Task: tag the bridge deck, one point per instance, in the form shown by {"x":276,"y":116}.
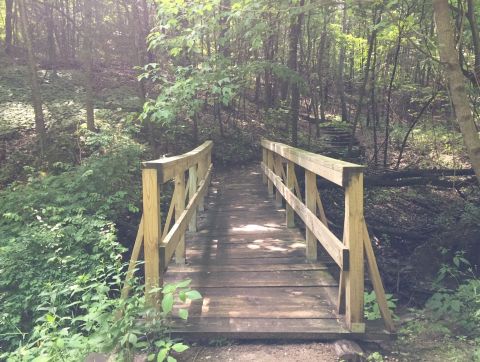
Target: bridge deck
{"x":252,"y":271}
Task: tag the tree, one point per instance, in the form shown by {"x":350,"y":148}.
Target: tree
{"x":88,"y":62}
{"x":456,"y":82}
{"x":32,"y":67}
{"x":8,"y":25}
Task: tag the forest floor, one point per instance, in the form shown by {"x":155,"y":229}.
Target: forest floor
{"x":406,"y":221}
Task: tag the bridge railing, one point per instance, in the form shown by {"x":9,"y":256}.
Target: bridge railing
{"x":161,"y":242}
{"x":278,"y":164}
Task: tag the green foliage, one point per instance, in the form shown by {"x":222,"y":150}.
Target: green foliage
{"x":83,"y":317}
{"x":371,"y":309}
{"x":56,"y":228}
{"x":457,"y":307}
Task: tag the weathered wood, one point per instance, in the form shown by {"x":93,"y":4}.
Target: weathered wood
{"x":151,"y":232}
{"x":311,"y":204}
{"x":279,"y":171}
{"x":353,"y":237}
{"x":202,"y":169}
{"x":180,"y":252}
{"x":168,"y":220}
{"x":171,"y":241}
{"x":290,"y":183}
{"x":377,"y":281}
{"x":289,"y":278}
{"x":349,"y":351}
{"x":168,"y":167}
{"x":336,"y":171}
{"x":335,"y":248}
{"x":192,"y":188}
{"x":264,"y":160}
{"x":137,"y":247}
{"x":263,"y":328}
{"x":320,"y":209}
{"x":270,"y":167}
{"x":211,"y":268}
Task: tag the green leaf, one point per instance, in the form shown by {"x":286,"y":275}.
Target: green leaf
{"x":180,"y":347}
{"x":167,"y":303}
{"x":162,"y":354}
{"x":132,"y":338}
{"x":183,"y":313}
{"x":171,"y":359}
{"x":193,"y":295}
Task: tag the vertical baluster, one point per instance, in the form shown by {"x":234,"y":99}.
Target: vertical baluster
{"x":192,"y":189}
{"x":278,"y":170}
{"x":151,"y":213}
{"x":290,"y":182}
{"x":311,"y":203}
{"x":202,"y":171}
{"x":179,"y":208}
{"x":270,"y":167}
{"x":264,"y":161}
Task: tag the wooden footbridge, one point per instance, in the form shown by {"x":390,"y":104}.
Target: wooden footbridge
{"x":259,"y":276}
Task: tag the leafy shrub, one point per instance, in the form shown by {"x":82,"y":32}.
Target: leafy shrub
{"x":458,"y":307}
{"x":371,"y":308}
{"x":57,"y":228}
{"x":82,"y":318}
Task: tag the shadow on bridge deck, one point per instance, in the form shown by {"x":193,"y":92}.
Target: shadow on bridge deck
{"x":251,"y":270}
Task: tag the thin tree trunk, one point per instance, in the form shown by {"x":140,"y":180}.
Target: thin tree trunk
{"x":475,"y":39}
{"x":8,"y":25}
{"x":341,"y":71}
{"x":295,"y":33}
{"x":87,"y":63}
{"x":456,"y":83}
{"x":32,"y":67}
{"x":389,"y":99}
{"x":373,"y":36}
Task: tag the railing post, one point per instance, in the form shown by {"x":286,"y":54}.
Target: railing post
{"x":290,"y":182}
{"x":264,"y":160}
{"x":179,"y":208}
{"x":311,"y":203}
{"x":192,"y":188}
{"x":270,"y":166}
{"x":353,"y":238}
{"x":151,"y":232}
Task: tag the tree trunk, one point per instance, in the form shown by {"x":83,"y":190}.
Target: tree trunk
{"x":456,"y":83}
{"x":475,"y":39}
{"x":341,"y":66}
{"x":32,"y":67}
{"x":389,"y":99}
{"x":295,"y":33}
{"x":8,"y":25}
{"x":88,"y":63}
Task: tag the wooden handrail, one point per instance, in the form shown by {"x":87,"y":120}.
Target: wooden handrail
{"x":349,"y":254}
{"x":331,"y":169}
{"x":168,"y":167}
{"x":160,"y":246}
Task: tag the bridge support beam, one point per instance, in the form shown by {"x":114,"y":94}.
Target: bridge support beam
{"x":290,"y":182}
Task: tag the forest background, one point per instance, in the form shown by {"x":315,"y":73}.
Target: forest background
{"x":90,"y":88}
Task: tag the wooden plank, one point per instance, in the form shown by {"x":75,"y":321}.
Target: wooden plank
{"x":334,"y":170}
{"x":278,"y":167}
{"x":377,"y":281}
{"x":180,"y":186}
{"x":168,"y":167}
{"x":264,"y":160}
{"x":169,"y":218}
{"x":264,"y":328}
{"x":199,"y":259}
{"x":137,"y":247}
{"x":335,"y":248}
{"x":192,"y":188}
{"x":269,"y":165}
{"x":169,"y":244}
{"x":290,"y":183}
{"x":151,"y":232}
{"x":202,"y":169}
{"x":245,"y":267}
{"x":311,"y":204}
{"x":301,"y":278}
{"x":353,"y":235}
